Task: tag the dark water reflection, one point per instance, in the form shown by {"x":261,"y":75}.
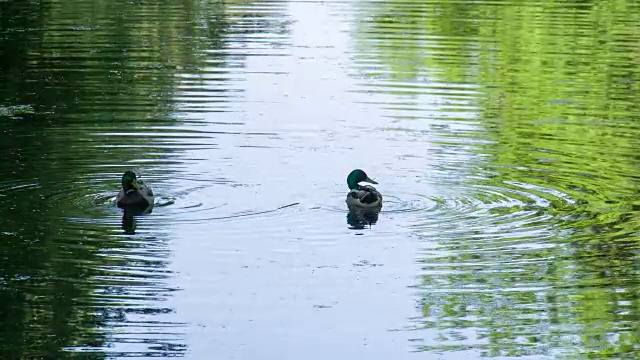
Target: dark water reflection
{"x":502,"y":135}
{"x":89,"y":89}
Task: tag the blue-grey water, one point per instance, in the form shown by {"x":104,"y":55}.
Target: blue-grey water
{"x":501,"y":134}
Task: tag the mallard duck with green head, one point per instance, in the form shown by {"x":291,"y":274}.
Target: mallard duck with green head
{"x":362,"y":197}
{"x":134,"y":193}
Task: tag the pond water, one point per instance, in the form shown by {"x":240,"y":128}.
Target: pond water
{"x":501,"y":134}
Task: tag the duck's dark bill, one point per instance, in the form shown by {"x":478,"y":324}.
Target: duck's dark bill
{"x":371,"y":181}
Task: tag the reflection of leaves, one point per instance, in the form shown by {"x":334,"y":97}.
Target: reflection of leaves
{"x":556,"y":94}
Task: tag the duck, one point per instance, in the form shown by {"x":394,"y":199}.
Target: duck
{"x":362,"y":197}
{"x":134,"y":193}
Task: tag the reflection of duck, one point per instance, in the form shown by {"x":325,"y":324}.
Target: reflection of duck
{"x":362,"y":197}
{"x":359,"y":218}
{"x":134,"y":194}
{"x":129,"y":218}
{"x":128,"y":223}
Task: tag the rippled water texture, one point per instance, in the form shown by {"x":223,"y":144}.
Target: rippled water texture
{"x":502,"y":135}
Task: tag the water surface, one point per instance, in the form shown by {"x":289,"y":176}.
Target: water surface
{"x":501,"y":133}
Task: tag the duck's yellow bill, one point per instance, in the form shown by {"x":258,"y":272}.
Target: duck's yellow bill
{"x":135,"y":184}
{"x":369,"y":180}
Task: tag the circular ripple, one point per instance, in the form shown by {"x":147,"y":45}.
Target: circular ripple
{"x":499,"y":211}
{"x":396,"y":203}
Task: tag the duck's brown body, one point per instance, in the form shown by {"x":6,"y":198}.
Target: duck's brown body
{"x":135,"y":198}
{"x":364,"y":197}
{"x":134,"y":193}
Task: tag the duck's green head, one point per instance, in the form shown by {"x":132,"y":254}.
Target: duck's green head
{"x":129,"y":181}
{"x":357,"y":176}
